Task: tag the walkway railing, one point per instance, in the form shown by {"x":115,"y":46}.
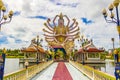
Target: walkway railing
{"x":92,"y":73}
{"x":26,"y":74}
{"x":28,"y":59}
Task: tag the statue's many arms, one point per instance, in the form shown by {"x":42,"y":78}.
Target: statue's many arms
{"x":61,"y":34}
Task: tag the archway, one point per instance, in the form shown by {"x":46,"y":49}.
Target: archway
{"x":60,"y":54}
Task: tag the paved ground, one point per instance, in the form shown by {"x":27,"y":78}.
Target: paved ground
{"x":49,"y":73}
{"x":75,"y":73}
{"x":62,"y":72}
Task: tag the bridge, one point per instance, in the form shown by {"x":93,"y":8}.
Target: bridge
{"x":51,"y":70}
{"x":63,"y":63}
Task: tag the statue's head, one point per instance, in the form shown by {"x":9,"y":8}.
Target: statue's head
{"x":60,"y":20}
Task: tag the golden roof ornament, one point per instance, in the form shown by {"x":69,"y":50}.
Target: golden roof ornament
{"x":4,"y":50}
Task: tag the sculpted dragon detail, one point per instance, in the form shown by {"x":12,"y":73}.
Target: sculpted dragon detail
{"x":61,"y":33}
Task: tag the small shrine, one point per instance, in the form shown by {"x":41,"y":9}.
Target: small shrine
{"x":89,"y":53}
{"x":31,"y":52}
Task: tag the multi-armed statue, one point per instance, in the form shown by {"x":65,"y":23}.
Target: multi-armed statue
{"x":61,"y":34}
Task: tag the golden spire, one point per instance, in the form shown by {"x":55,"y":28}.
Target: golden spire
{"x":61,"y":16}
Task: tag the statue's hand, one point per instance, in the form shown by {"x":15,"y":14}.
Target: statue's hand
{"x":48,"y":19}
{"x":56,"y":16}
{"x":43,"y":29}
{"x":45,"y":24}
{"x":74,"y":19}
{"x":76,"y":23}
{"x":65,"y":16}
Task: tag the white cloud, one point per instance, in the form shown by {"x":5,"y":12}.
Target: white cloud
{"x":11,"y":40}
{"x":25,"y":29}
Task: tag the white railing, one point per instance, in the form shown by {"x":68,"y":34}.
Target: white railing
{"x":92,"y":73}
{"x":26,"y":74}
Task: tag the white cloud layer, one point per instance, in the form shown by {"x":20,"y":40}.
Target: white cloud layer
{"x":24,"y":28}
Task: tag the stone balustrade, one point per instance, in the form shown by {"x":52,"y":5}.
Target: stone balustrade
{"x":92,"y":73}
{"x":27,"y":74}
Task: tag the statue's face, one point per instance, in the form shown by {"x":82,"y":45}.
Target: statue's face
{"x":60,"y":22}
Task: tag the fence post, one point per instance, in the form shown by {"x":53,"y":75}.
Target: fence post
{"x":93,"y":75}
{"x":27,"y":74}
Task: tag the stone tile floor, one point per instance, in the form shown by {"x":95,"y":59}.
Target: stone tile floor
{"x":48,"y":73}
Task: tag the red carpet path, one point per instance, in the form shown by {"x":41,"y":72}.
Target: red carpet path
{"x":62,"y":72}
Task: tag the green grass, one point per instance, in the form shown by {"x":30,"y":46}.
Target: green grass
{"x":14,"y":56}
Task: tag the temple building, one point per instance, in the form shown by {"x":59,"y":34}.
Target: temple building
{"x":89,"y":54}
{"x":33,"y":51}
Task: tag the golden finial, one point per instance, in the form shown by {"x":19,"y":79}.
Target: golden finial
{"x":5,"y":17}
{"x":4,"y":50}
{"x":3,"y":8}
{"x":61,"y":16}
{"x":1,"y":4}
{"x":116,"y":51}
{"x":11,"y":13}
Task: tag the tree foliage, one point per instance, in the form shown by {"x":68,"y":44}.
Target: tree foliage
{"x":10,"y":52}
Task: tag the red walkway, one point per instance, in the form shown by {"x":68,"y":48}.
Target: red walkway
{"x":62,"y":72}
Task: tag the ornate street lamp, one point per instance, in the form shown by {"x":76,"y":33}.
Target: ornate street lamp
{"x":115,"y":20}
{"x":4,"y":18}
{"x":38,"y":43}
{"x":83,"y":42}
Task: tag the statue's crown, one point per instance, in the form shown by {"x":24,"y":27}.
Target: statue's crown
{"x":61,"y":16}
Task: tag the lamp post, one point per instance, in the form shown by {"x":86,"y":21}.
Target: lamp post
{"x":37,"y":48}
{"x":4,"y":18}
{"x":82,"y":41}
{"x":2,"y":64}
{"x":26,"y":66}
{"x":38,"y":43}
{"x":112,"y":39}
{"x":117,"y":64}
{"x":113,"y":19}
{"x":26,"y":63}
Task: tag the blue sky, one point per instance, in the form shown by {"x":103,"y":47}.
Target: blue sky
{"x":3,"y":40}
{"x":30,"y":15}
{"x":16,"y":13}
{"x":86,"y":21}
{"x":39,"y":17}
